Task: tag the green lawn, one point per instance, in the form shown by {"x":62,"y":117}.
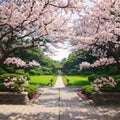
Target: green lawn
{"x":42,"y":80}
{"x":76,"y":80}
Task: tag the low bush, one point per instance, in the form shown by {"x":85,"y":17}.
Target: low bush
{"x":88,"y":90}
{"x":20,"y":71}
{"x":9,"y":69}
{"x":117,"y":77}
{"x":34,"y":72}
{"x":102,"y":75}
{"x":3,"y":76}
{"x":92,"y":77}
{"x":31,"y":89}
{"x":3,"y":88}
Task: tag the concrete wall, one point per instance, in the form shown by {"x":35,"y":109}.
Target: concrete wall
{"x":106,"y":98}
{"x":14,"y":98}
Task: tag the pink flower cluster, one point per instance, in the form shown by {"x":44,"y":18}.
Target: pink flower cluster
{"x":103,"y":83}
{"x":84,"y":65}
{"x":20,"y":63}
{"x":16,"y":83}
{"x":97,"y":63}
{"x":33,"y":63}
{"x":15,"y":61}
{"x":103,"y":61}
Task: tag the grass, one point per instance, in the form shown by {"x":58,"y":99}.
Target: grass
{"x":42,"y":80}
{"x":76,"y":80}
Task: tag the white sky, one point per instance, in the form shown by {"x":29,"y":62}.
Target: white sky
{"x":60,"y":54}
{"x":61,"y":51}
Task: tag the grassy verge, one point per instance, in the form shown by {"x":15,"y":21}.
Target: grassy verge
{"x":42,"y":80}
{"x":76,"y":80}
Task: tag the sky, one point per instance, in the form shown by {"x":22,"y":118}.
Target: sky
{"x":61,"y":51}
{"x":60,"y":54}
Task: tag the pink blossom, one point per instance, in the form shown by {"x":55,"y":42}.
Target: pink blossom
{"x":84,"y":65}
{"x":15,"y":61}
{"x":33,"y":63}
{"x":103,"y":83}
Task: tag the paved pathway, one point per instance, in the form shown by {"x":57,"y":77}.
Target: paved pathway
{"x":50,"y":107}
{"x":59,"y":83}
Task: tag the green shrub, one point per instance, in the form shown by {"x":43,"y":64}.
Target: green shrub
{"x":117,"y":77}
{"x":34,"y":72}
{"x":88,"y":90}
{"x":92,"y":77}
{"x":20,"y":71}
{"x":10,"y":69}
{"x":103,"y":75}
{"x":117,"y":87}
{"x":2,"y":71}
{"x":3,"y":76}
{"x":31,"y":90}
{"x":5,"y":89}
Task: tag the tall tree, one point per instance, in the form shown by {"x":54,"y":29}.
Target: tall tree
{"x":98,"y":29}
{"x":28,"y":23}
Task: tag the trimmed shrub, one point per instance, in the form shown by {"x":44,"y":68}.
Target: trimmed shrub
{"x":5,"y":89}
{"x":31,"y":90}
{"x":3,"y":76}
{"x":88,"y":90}
{"x":20,"y":71}
{"x":92,"y":77}
{"x":103,"y":75}
{"x":117,"y":77}
{"x":34,"y":72}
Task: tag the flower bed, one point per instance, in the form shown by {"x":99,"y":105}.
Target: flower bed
{"x":36,"y":95}
{"x":82,"y":95}
{"x":102,"y":98}
{"x":14,"y":98}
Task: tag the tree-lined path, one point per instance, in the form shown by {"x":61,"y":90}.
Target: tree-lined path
{"x":58,"y":103}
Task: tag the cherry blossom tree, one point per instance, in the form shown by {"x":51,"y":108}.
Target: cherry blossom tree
{"x":28,"y":23}
{"x":98,"y":29}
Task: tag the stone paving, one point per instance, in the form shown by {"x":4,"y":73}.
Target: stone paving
{"x":49,"y":107}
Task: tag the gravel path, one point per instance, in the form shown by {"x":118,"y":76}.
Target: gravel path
{"x":59,"y":103}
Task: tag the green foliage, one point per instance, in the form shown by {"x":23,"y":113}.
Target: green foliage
{"x":5,"y":89}
{"x":92,"y":77}
{"x":20,"y":71}
{"x":117,"y":87}
{"x":2,"y":71}
{"x":47,"y":65}
{"x":102,"y":75}
{"x":31,"y":89}
{"x":34,"y":72}
{"x":9,"y":69}
{"x":71,"y":65}
{"x":88,"y":90}
{"x":117,"y":77}
{"x":3,"y":76}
